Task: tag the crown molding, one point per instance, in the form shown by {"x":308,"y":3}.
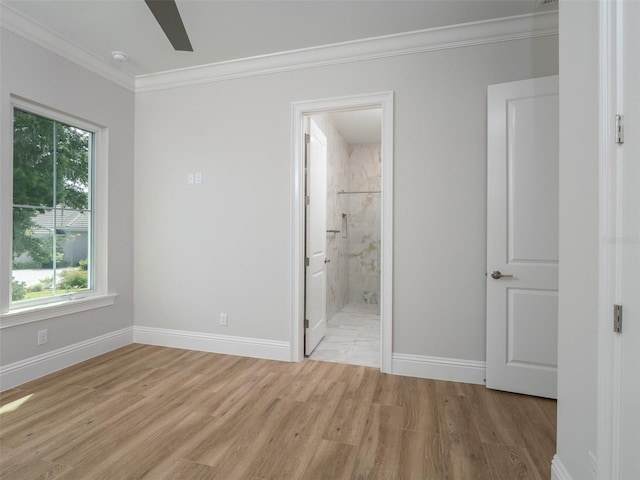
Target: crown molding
{"x":16,"y":22}
{"x":454,"y":36}
{"x":440,"y":38}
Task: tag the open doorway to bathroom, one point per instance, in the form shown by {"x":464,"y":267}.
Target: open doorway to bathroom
{"x":352,"y":241}
{"x":371,"y":293}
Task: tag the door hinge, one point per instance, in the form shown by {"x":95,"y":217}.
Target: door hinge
{"x":619,"y":129}
{"x":306,"y":323}
{"x":307,"y":199}
{"x":306,"y":261}
{"x":617,"y":318}
{"x":307,"y":138}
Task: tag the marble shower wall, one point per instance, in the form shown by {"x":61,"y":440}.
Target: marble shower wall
{"x":353,"y":275}
{"x":363,"y":211}
{"x":337,"y":247}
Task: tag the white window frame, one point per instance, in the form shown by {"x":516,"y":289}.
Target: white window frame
{"x":98,"y":296}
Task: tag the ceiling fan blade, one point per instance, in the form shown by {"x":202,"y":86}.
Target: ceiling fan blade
{"x":167,"y":15}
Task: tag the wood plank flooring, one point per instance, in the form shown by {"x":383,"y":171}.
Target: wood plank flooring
{"x":145,"y":412}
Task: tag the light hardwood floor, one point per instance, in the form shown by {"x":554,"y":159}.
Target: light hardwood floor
{"x":161,"y":413}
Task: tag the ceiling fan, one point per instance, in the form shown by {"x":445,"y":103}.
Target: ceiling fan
{"x":168,"y":16}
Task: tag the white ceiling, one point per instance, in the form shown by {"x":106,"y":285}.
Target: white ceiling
{"x":232,"y":29}
{"x":359,"y":126}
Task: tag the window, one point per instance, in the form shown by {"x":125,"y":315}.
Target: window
{"x":53,"y":216}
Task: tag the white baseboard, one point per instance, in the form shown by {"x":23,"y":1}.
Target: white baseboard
{"x":558,"y":471}
{"x":438,"y":368}
{"x":24,"y":371}
{"x":12,"y":375}
{"x":207,"y":342}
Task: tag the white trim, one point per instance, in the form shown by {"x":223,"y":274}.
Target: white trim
{"x":609,"y":349}
{"x":35,"y":32}
{"x":51,"y":113}
{"x":439,"y":368}
{"x":64,"y":307}
{"x":386,"y":264}
{"x":208,"y":342}
{"x":558,"y":470}
{"x":383,"y":100}
{"x":439,"y":38}
{"x":454,"y":36}
{"x":29,"y":369}
{"x":98,"y":297}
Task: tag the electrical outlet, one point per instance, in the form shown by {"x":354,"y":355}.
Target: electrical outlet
{"x":43,"y":337}
{"x":223,"y":319}
{"x":198,"y":178}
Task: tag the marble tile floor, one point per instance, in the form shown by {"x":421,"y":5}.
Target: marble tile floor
{"x":353,"y":337}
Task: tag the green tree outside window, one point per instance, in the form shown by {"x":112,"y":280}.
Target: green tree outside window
{"x":51,"y":184}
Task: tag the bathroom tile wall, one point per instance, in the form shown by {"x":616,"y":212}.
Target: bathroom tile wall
{"x":363,"y":210}
{"x":353,"y":274}
{"x":337,"y":246}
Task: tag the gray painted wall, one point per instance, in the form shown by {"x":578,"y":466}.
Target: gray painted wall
{"x":40,"y":76}
{"x":228,"y":248}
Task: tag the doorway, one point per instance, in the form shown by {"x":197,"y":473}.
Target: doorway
{"x":366,"y":298}
{"x":349,"y":224}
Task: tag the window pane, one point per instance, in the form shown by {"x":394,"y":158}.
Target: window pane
{"x":33,"y":258}
{"x":72,"y":167}
{"x":31,"y":284}
{"x":33,"y":238}
{"x":32,"y":160}
{"x":72,"y":242}
{"x":52,"y":234}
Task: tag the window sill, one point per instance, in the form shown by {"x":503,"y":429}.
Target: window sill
{"x":52,"y":310}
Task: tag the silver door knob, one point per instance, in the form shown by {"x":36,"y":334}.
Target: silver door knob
{"x":497,"y":275}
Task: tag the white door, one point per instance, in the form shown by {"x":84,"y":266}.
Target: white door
{"x":629,"y":163}
{"x":522,"y":237}
{"x":316,"y":238}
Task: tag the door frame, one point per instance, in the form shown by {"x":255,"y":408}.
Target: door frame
{"x":299,"y":110}
{"x":609,"y":378}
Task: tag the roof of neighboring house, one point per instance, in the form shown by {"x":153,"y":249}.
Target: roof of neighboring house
{"x":65,"y":219}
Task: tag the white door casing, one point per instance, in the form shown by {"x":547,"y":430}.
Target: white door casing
{"x":316,"y":238}
{"x":628,"y":243}
{"x":522,"y":237}
{"x":299,"y":110}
